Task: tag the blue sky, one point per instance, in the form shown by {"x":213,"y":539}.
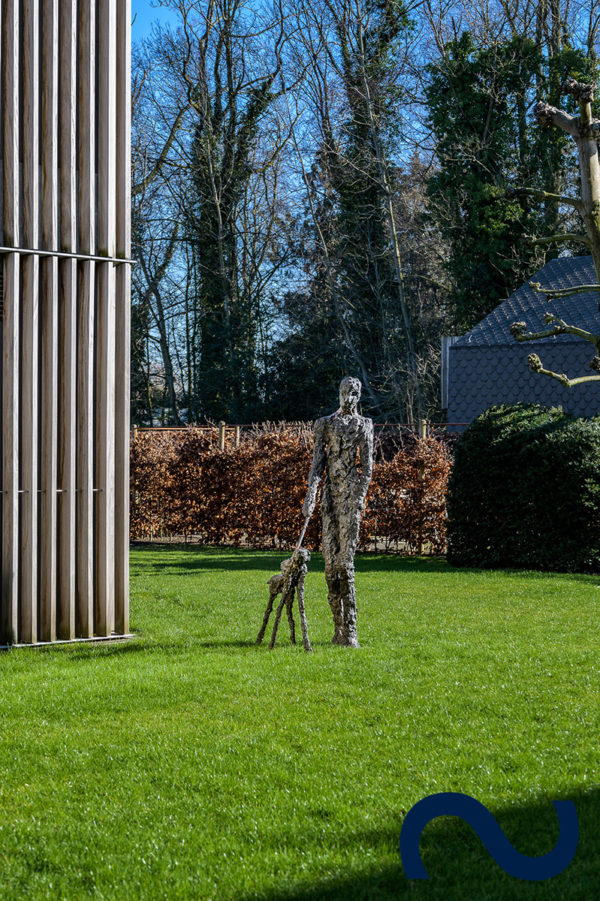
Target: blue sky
{"x":144,"y":14}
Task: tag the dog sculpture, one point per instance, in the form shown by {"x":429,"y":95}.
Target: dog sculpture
{"x":289,"y":582}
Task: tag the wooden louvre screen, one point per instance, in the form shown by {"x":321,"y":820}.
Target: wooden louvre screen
{"x":65,"y":121}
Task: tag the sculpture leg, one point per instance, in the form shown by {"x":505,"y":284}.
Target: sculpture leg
{"x":348,"y":589}
{"x":276,"y":623}
{"x":288,"y":606}
{"x":334,"y":596}
{"x":275,"y":584}
{"x":349,"y":540}
{"x":302,"y":612}
{"x":331,"y":549}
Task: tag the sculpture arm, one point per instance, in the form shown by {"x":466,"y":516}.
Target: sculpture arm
{"x":365,"y":448}
{"x":316,"y":470}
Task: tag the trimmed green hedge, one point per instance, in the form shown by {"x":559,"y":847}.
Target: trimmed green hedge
{"x":525,"y":491}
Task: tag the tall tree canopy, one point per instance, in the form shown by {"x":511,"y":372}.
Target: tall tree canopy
{"x":318,"y":187}
{"x":480,"y":102}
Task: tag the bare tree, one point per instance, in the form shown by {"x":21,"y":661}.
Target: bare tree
{"x":208,"y":195}
{"x":353,"y":58}
{"x":157,"y":117}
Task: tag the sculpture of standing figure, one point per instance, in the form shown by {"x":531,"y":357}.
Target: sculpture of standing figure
{"x":338,"y":439}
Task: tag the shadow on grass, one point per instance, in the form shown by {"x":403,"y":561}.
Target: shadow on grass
{"x":194,"y":558}
{"x":249,"y":643}
{"x":149,"y":645}
{"x":183,"y":647}
{"x":458,"y":864}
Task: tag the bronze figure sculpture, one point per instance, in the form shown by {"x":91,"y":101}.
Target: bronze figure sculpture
{"x":339,"y":439}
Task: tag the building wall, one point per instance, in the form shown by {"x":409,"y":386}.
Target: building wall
{"x":65,"y":121}
{"x":482,"y":377}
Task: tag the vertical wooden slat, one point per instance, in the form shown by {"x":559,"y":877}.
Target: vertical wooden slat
{"x":105,"y":436}
{"x":105,"y":339}
{"x":84,"y":588}
{"x":28,"y":561}
{"x":10,"y":348}
{"x":85,"y":320}
{"x":49,"y":316}
{"x":123,"y":317}
{"x":68,"y":319}
{"x":2,"y":26}
{"x":53,"y":312}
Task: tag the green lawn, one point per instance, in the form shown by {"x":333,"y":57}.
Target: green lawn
{"x":189,"y":763}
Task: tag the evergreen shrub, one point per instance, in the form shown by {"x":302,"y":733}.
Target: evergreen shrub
{"x":525,"y":491}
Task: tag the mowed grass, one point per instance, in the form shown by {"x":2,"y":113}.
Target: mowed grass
{"x":189,"y":763}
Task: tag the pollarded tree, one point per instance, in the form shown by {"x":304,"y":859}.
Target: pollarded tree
{"x":585,"y":131}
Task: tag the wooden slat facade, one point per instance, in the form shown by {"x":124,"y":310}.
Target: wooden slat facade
{"x":65,"y":122}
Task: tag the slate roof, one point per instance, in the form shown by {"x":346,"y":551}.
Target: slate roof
{"x":488,"y":367}
{"x":527,"y":306}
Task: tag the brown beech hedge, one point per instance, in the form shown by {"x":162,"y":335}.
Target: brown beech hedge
{"x":183,"y":485}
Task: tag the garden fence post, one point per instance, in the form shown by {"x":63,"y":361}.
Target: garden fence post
{"x":221,"y":435}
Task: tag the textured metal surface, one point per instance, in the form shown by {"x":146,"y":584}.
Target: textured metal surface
{"x":289,"y":583}
{"x":339,"y":440}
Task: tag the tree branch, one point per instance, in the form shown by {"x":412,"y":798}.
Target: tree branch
{"x":583,"y":93}
{"x":545,"y":195}
{"x":559,"y":327}
{"x":535,"y":364}
{"x":550,"y":115}
{"x":552,"y":239}
{"x":552,"y":293}
{"x":143,"y":184}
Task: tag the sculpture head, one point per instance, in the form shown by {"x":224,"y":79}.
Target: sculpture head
{"x":349,"y":394}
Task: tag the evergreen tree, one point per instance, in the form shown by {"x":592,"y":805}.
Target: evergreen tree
{"x":486,"y":145}
{"x":304,"y":368}
{"x":363,"y":178}
{"x":356,"y":296}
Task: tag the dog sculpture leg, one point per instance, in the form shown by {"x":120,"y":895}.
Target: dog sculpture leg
{"x":282,"y":602}
{"x":275,"y":584}
{"x":290,"y":615}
